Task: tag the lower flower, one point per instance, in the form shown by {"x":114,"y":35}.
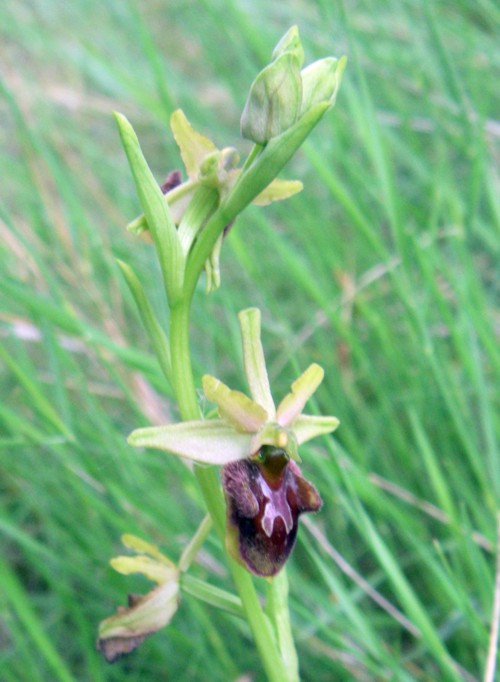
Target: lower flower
{"x":257,"y":445}
{"x":146,"y":614}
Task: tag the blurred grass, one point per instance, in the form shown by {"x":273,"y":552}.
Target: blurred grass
{"x":384,"y":270}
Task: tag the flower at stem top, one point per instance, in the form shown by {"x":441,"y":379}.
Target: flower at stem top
{"x":257,"y":445}
{"x":211,"y":174}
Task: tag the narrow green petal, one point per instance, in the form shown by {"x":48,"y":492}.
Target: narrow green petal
{"x":151,"y":568}
{"x":244,"y":414}
{"x":278,"y":190}
{"x":194,"y":146}
{"x":255,"y":364}
{"x":308,"y":426}
{"x":143,"y":547}
{"x":302,"y":389}
{"x":210,"y":442}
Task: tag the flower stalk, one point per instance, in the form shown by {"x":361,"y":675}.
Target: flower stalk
{"x":256,"y":500}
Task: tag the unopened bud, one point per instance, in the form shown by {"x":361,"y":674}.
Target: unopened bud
{"x":274,"y":100}
{"x":320,"y":82}
{"x":290,"y":43}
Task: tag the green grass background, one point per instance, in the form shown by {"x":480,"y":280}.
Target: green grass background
{"x":384,"y":270}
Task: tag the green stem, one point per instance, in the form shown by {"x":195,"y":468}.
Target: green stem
{"x":184,"y":387}
{"x":194,"y":545}
{"x":277,"y":607}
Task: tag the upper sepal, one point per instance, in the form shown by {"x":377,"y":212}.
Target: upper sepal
{"x":274,"y":100}
{"x":193,"y":146}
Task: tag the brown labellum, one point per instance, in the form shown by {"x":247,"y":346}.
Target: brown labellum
{"x":265,"y":497}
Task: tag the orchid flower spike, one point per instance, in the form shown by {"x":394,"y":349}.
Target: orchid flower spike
{"x":257,"y":445}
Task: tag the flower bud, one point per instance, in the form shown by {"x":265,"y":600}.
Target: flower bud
{"x":290,"y":43}
{"x":274,"y":100}
{"x":320,"y":82}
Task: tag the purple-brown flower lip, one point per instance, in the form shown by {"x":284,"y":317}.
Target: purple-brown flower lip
{"x":265,"y":497}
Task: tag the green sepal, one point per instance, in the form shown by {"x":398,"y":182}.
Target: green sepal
{"x":290,"y":43}
{"x":211,"y":441}
{"x":153,"y":328}
{"x":274,"y":100}
{"x":254,"y":360}
{"x":308,"y":426}
{"x":194,"y":147}
{"x":321,"y":82}
{"x":156,"y":211}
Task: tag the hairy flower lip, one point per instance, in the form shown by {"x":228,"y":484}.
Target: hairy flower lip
{"x":262,"y":519}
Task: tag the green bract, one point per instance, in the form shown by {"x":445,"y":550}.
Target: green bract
{"x":273,"y":104}
{"x":245,"y":424}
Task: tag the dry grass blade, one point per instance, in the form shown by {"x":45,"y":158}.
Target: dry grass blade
{"x":489,"y":674}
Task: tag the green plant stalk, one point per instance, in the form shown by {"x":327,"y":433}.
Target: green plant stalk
{"x":277,"y":608}
{"x":275,"y":666}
